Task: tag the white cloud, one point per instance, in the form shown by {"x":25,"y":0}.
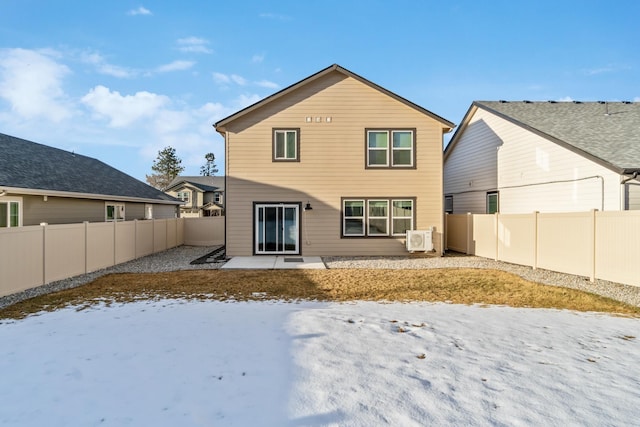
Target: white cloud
{"x":267,"y":84}
{"x":225,"y":79}
{"x":123,"y":110}
{"x":175,"y":66}
{"x":221,"y":78}
{"x":103,"y":67}
{"x":611,"y":68}
{"x":193,"y":45}
{"x":275,"y":16}
{"x":239,"y":80}
{"x":139,"y":11}
{"x":31,"y":82}
{"x":565,"y":99}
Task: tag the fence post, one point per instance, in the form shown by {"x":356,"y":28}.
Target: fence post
{"x":44,"y":252}
{"x":86,"y":247}
{"x":496,"y":230}
{"x":446,"y":231}
{"x":592,"y":270}
{"x":469,"y":233}
{"x":535,"y":239}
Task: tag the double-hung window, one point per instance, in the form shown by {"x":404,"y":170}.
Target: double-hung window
{"x":377,"y":217}
{"x":183,"y":195}
{"x":9,"y":213}
{"x":286,"y":145}
{"x":390,"y":148}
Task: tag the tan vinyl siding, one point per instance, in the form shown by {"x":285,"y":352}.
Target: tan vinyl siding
{"x":332,"y":165}
{"x":470,"y":170}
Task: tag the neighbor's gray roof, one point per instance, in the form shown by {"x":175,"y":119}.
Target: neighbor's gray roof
{"x":32,"y":166}
{"x":605,"y":131}
{"x":204,"y":183}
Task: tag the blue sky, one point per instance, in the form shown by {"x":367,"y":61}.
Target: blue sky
{"x":120,"y":80}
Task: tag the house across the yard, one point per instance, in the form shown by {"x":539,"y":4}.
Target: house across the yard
{"x":332,"y":165}
{"x":521,"y":157}
{"x":202,"y":195}
{"x":41,"y":184}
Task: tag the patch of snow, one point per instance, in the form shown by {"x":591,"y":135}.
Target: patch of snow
{"x":193,"y":363}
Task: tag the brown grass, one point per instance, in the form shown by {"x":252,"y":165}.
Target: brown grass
{"x":460,"y":286}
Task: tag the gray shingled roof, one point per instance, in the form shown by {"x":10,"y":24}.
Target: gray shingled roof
{"x":29,"y":165}
{"x":609,"y":132}
{"x":204,"y":183}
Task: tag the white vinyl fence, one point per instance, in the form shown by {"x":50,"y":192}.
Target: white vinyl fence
{"x":597,"y":245}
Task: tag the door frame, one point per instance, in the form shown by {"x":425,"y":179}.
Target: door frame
{"x":298,"y":206}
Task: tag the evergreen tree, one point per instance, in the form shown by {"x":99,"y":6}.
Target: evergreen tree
{"x":166,"y":167}
{"x":209,"y":168}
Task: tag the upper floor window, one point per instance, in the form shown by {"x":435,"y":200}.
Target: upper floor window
{"x":286,"y":145}
{"x":114,"y":212}
{"x":217,"y":197}
{"x":390,"y":148}
{"x":9,"y":213}
{"x":184,"y":195}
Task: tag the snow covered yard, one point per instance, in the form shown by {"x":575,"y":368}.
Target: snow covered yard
{"x":211,"y":363}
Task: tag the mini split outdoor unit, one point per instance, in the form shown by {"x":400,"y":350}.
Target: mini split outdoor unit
{"x":419,"y":240}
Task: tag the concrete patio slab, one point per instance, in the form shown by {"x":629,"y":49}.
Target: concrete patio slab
{"x":274,"y":262}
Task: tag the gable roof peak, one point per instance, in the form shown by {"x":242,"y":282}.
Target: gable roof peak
{"x":220,"y":125}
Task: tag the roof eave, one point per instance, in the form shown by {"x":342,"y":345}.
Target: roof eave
{"x":220,"y":125}
{"x":564,"y":144}
{"x":70,"y":194}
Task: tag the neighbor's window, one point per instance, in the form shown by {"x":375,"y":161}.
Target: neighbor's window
{"x":390,"y":148}
{"x":382,"y":217}
{"x":9,"y":213}
{"x":286,"y":145}
{"x":493,"y":202}
{"x":114,"y":212}
{"x":217,"y":197}
{"x":448,"y":204}
{"x":184,"y":195}
{"x":148,"y":211}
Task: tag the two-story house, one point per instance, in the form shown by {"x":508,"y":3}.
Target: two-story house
{"x":202,"y":195}
{"x":332,"y":165}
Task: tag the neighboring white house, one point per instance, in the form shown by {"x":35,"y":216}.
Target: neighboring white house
{"x":520,"y":157}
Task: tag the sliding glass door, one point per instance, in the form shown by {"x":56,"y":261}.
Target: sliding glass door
{"x":276,"y":229}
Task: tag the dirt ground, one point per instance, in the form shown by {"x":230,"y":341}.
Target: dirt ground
{"x":458,"y":286}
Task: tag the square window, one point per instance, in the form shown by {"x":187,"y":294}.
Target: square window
{"x":397,"y":153}
{"x":9,"y":213}
{"x":286,"y":144}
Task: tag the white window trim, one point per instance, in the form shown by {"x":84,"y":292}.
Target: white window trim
{"x":295,"y":144}
{"x":390,"y":149}
{"x":390,"y":217}
{"x":410,"y":149}
{"x":385,"y":149}
{"x":344,"y":218}
{"x":402,"y":217}
{"x":8,"y":200}
{"x":369,"y":217}
{"x":115,"y":205}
